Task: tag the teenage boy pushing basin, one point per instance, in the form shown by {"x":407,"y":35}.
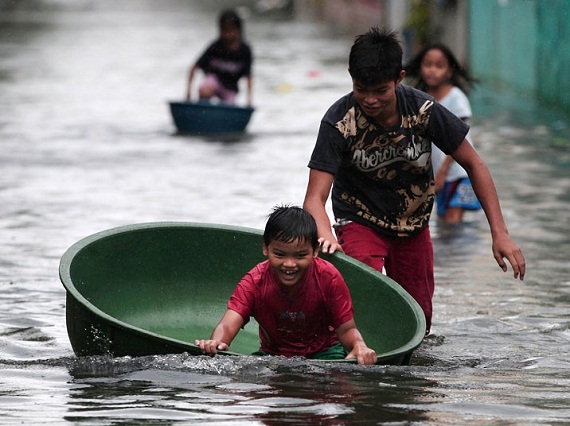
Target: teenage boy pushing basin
{"x":374,"y":150}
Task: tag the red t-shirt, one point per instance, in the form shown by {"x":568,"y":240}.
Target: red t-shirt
{"x":294,"y":325}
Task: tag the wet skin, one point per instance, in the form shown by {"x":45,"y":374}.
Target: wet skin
{"x":289,"y":261}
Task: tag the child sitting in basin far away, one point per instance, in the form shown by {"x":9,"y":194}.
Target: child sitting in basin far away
{"x":301,"y":302}
{"x":224,"y":62}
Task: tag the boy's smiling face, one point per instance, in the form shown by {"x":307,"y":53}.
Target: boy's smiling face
{"x":378,"y":101}
{"x":290,"y":261}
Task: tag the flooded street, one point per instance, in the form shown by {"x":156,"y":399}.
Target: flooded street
{"x":87,"y":144}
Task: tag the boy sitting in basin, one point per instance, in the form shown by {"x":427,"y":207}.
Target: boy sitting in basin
{"x":301,"y":302}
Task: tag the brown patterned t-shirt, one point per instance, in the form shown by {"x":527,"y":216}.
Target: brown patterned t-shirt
{"x":383,"y":176}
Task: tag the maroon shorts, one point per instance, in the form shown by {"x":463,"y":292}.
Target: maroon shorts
{"x":407,"y":260}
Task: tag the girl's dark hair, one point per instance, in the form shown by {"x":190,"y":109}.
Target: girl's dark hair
{"x":460,"y":76}
{"x":290,"y":223}
{"x":375,"y":57}
{"x":231,"y":17}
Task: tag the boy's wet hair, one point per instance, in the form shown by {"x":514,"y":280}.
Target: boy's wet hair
{"x":460,"y":76}
{"x":375,"y":57}
{"x":291,"y":223}
{"x":230,"y":17}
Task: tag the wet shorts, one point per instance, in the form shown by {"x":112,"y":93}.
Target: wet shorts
{"x":458,"y":194}
{"x":336,"y":351}
{"x":225,"y":95}
{"x":407,"y":260}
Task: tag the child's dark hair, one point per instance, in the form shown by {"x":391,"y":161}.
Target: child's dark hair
{"x":460,"y":76}
{"x":291,"y":223}
{"x":375,"y":57}
{"x":231,"y":17}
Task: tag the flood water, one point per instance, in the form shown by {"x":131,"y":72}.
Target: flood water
{"x":87,"y":144}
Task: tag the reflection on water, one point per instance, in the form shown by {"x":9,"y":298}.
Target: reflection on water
{"x":241,"y":388}
{"x":87,"y":145}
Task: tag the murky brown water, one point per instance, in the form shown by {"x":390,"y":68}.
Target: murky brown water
{"x":87,"y":144}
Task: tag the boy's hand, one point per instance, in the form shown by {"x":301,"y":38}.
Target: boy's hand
{"x":211,"y":347}
{"x":504,"y":246}
{"x":330,"y":246}
{"x":440,"y":180}
{"x":363,"y":354}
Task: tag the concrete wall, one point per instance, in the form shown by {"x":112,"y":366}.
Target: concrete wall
{"x":448,"y":19}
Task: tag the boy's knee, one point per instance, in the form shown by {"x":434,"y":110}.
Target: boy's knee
{"x":206,"y":91}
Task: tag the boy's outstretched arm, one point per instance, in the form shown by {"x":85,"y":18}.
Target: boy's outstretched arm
{"x":191,"y":73}
{"x":503,"y":245}
{"x":318,"y":190}
{"x":223,"y":334}
{"x":250,"y":90}
{"x":353,"y":342}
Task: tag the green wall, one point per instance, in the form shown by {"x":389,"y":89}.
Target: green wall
{"x":523,"y":43}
